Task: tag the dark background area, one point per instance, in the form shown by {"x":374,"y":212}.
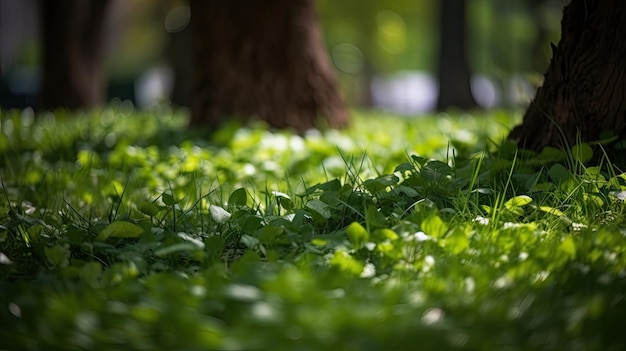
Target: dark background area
{"x":384,"y":52}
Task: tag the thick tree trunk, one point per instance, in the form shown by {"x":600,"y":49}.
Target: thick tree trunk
{"x":73,"y":44}
{"x":584,"y":91}
{"x":454,"y":72}
{"x":262,"y":59}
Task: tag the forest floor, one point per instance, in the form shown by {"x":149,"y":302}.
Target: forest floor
{"x":122,"y":229}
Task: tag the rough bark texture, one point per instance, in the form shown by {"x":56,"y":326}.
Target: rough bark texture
{"x":73,"y":45}
{"x":584,"y":91}
{"x":454,"y":72}
{"x":262,"y":59}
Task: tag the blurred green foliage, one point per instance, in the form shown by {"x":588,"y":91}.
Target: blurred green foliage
{"x":399,"y":35}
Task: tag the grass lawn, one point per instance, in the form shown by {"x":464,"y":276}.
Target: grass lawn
{"x":122,"y":230}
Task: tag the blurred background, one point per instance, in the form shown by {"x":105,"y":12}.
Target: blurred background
{"x":385,"y":52}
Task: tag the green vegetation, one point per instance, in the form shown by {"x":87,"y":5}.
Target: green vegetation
{"x":121,"y":229}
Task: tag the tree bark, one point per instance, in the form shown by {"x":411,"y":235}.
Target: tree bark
{"x":584,"y":90}
{"x":262,"y":59}
{"x":73,"y":45}
{"x":180,"y":57}
{"x":454,"y":72}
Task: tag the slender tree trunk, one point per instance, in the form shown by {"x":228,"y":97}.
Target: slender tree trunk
{"x":454,"y":72}
{"x":73,"y":45}
{"x":264,"y":59}
{"x":584,"y":90}
{"x":180,"y":57}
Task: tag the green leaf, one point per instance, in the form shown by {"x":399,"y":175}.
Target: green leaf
{"x":319,"y":208}
{"x":357,"y":234}
{"x":117,"y":188}
{"x":550,"y":154}
{"x":333,"y":185}
{"x":551,"y":210}
{"x":434,"y":226}
{"x":91,"y":272}
{"x":191,"y":239}
{"x":176,"y":248}
{"x":380,"y":183}
{"x":283,"y":200}
{"x":270,"y":233}
{"x":148,"y":208}
{"x":582,"y":152}
{"x":385,"y":234}
{"x":458,"y":240}
{"x":238,"y":197}
{"x":331,"y":198}
{"x":120,"y":229}
{"x":374,"y":218}
{"x":593,"y":199}
{"x":436,"y":171}
{"x":517,"y":211}
{"x":518,"y":201}
{"x":487,"y":209}
{"x":168,"y":199}
{"x":419,"y":159}
{"x":249,"y":241}
{"x":568,"y":247}
{"x":251,"y":224}
{"x":346,"y":263}
{"x":404,"y":167}
{"x":404,"y":191}
{"x":559,"y":174}
{"x":542,"y":187}
{"x":58,"y":255}
{"x":219,"y":214}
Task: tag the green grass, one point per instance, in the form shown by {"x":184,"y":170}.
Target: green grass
{"x":122,"y":230}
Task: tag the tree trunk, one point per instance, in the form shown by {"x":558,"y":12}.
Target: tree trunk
{"x":180,"y":57}
{"x":454,"y":72}
{"x":584,"y":90}
{"x":263,"y":59}
{"x":73,"y":45}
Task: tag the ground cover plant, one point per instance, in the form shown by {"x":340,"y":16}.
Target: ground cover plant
{"x":121,"y":229}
